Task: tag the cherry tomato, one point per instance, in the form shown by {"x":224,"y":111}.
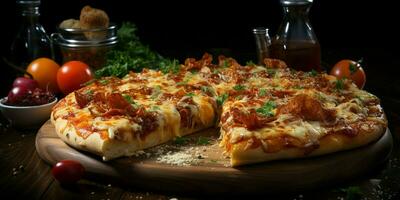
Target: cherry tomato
{"x":68,"y":171}
{"x":31,"y":84}
{"x":44,"y":71}
{"x":350,"y":69}
{"x":72,"y":75}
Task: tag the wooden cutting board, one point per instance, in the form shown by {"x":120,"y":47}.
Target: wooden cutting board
{"x":196,"y":164}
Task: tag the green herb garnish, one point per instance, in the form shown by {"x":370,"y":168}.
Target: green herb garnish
{"x":130,"y":54}
{"x":239,"y":87}
{"x":221,"y":99}
{"x":298,"y":87}
{"x":89,"y":92}
{"x":352,"y":192}
{"x":154,"y":108}
{"x":313,"y":73}
{"x":184,"y":82}
{"x":207,"y":89}
{"x":194,"y":71}
{"x":170,"y":67}
{"x":190,"y":94}
{"x":239,"y":97}
{"x":262,"y":92}
{"x":203,"y":141}
{"x":267,"y":109}
{"x":320,"y":97}
{"x":156,"y":92}
{"x":339,"y":85}
{"x":250,"y":63}
{"x":89,"y":82}
{"x":225,"y":63}
{"x":181,"y":140}
{"x":104,"y":81}
{"x":271,"y":71}
{"x":129,"y":99}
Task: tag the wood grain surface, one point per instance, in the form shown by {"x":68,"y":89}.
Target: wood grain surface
{"x":210,"y":173}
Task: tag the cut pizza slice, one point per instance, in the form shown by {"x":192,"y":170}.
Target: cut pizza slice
{"x":114,"y":117}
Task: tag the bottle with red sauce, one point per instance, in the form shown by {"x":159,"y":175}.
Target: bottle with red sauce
{"x":295,"y":41}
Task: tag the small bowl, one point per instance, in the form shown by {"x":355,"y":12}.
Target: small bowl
{"x":26,"y":117}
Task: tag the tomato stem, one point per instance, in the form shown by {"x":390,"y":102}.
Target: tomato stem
{"x":360,"y":61}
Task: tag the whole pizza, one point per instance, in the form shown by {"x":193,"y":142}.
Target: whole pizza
{"x":264,"y":112}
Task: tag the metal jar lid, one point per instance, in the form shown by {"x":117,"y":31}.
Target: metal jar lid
{"x":86,"y":38}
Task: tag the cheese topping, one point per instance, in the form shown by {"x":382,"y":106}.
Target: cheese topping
{"x":255,"y":105}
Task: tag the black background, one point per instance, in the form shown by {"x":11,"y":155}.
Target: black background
{"x":180,"y":25}
{"x":189,"y":28}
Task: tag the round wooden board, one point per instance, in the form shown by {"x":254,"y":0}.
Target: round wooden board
{"x":210,"y":173}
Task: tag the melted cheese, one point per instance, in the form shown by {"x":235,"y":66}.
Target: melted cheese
{"x":122,"y":127}
{"x":206,"y":111}
{"x":172,"y":118}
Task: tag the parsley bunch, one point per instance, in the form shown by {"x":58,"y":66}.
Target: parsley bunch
{"x":130,"y":54}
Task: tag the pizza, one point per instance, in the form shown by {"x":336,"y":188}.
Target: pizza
{"x":264,"y":113}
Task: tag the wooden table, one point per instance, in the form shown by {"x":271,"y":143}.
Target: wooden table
{"x":24,"y":175}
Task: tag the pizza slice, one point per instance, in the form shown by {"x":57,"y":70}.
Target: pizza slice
{"x":298,"y":115}
{"x":116,"y":117}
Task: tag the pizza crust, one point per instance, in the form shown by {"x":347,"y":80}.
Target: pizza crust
{"x":328,"y":144}
{"x":113,"y":148}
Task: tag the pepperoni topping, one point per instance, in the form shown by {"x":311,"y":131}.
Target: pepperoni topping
{"x":100,"y":97}
{"x":185,"y":111}
{"x":282,"y":93}
{"x":191,"y":63}
{"x":113,"y":112}
{"x":143,"y":90}
{"x":147,"y":120}
{"x":251,"y":120}
{"x":82,"y":99}
{"x":274,"y":63}
{"x":307,"y":108}
{"x":186,"y":119}
{"x":117,"y":101}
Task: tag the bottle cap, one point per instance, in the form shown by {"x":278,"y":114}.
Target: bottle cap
{"x":260,"y":30}
{"x":295,"y":2}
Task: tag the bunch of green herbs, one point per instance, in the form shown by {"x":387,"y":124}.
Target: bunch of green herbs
{"x":130,"y":54}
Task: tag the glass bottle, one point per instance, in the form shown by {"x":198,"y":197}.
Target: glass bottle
{"x":30,"y":41}
{"x":295,"y":41}
{"x":263,"y":41}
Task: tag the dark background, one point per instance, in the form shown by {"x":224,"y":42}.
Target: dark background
{"x":345,"y":29}
{"x":181,"y":25}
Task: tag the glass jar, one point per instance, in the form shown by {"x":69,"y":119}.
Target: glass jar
{"x":295,"y":41}
{"x":30,"y":41}
{"x":74,"y":44}
{"x":263,"y":42}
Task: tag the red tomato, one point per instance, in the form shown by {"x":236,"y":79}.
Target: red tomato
{"x":44,"y":71}
{"x":68,"y":171}
{"x":351,"y":70}
{"x":72,"y":75}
